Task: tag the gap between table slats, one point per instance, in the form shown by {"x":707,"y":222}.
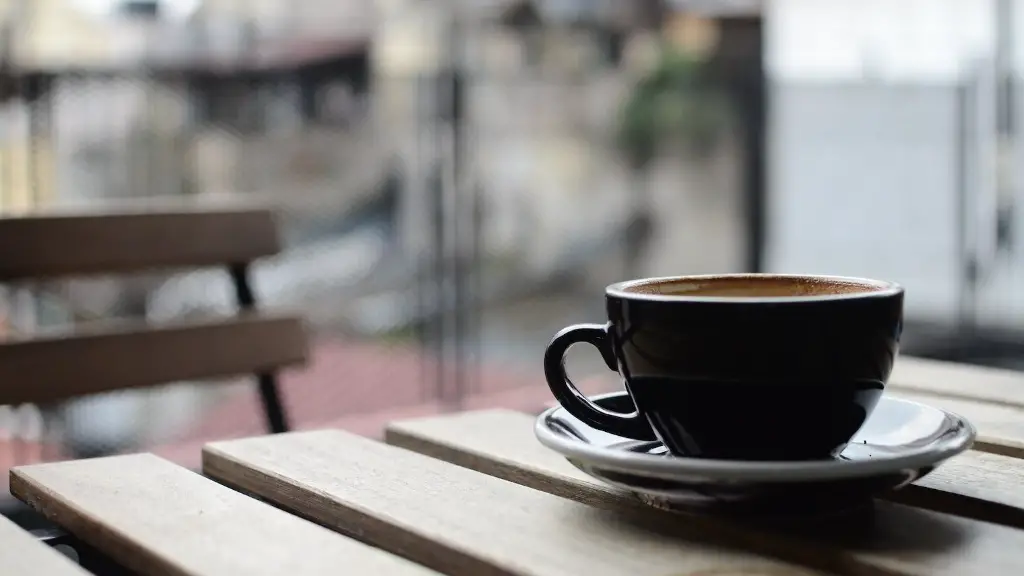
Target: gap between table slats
{"x":501,"y":443}
{"x":21,"y":554}
{"x":460,"y":522}
{"x":402,"y":500}
{"x":157,"y":519}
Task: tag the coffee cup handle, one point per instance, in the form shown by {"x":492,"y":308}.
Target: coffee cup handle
{"x":626,"y":425}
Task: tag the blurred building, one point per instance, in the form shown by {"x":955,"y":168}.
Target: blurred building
{"x":141,"y":99}
{"x":545,"y":83}
{"x":895,"y":153}
{"x":344,"y":113}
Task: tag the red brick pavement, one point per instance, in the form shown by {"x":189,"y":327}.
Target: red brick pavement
{"x":526,"y":399}
{"x":360,"y":387}
{"x":346,"y":377}
{"x":18,"y":452}
{"x":353,"y":386}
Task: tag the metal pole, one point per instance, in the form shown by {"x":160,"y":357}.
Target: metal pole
{"x":754,"y":134}
{"x":967,"y":260}
{"x":459,"y":284}
{"x":450,"y":251}
{"x":437,"y":316}
{"x":1006,"y":135}
{"x":422,"y":255}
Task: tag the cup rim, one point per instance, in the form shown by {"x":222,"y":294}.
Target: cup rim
{"x":883,"y":289}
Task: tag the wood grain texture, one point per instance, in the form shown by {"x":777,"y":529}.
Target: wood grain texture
{"x":21,"y":554}
{"x":160,"y":519}
{"x":112,"y":356}
{"x":461,"y":522}
{"x":1000,"y":428}
{"x":900,"y":540}
{"x":87,"y":242}
{"x":974,"y":485}
{"x":958,"y":381}
{"x":501,"y":443}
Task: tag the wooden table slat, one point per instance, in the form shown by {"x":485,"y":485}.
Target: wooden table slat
{"x":157,"y":518}
{"x":1000,"y":428}
{"x":976,"y":484}
{"x":21,"y":554}
{"x":461,"y":522}
{"x":958,"y":381}
{"x":501,"y":443}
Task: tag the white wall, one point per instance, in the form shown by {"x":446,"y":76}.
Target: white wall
{"x":856,"y":40}
{"x":862,"y":145}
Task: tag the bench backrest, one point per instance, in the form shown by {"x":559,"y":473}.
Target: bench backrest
{"x":58,"y":364}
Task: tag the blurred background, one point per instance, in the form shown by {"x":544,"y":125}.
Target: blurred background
{"x":456,"y":180}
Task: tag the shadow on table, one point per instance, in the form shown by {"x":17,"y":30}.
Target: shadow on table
{"x":874,"y":528}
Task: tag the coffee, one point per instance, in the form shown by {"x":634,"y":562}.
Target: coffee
{"x":744,"y":366}
{"x":752,"y":286}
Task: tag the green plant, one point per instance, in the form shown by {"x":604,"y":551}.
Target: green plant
{"x":675,"y":104}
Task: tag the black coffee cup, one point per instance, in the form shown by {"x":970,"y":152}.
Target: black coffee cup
{"x":740,"y":366}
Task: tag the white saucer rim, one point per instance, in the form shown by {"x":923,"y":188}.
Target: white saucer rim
{"x":670,"y":468}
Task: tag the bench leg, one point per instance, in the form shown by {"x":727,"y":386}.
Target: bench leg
{"x":89,"y":558}
{"x":267,"y":382}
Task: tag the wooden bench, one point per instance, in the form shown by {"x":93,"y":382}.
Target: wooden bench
{"x":57,"y":364}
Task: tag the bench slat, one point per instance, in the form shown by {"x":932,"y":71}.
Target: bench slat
{"x":70,"y":243}
{"x":21,"y":554}
{"x":901,"y":541}
{"x":157,"y":518}
{"x":459,"y":521}
{"x":114,"y":356}
{"x":958,"y":381}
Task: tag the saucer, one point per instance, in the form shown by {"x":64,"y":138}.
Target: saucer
{"x":901,"y":442}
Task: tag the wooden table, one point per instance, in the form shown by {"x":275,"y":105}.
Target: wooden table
{"x":476,"y":494}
